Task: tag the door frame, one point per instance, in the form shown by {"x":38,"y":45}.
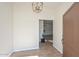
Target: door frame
{"x":39,"y":29}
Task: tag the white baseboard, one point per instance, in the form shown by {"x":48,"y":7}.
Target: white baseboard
{"x":57,"y":49}
{"x":8,"y":55}
{"x":25,"y":49}
{"x":50,"y":41}
{"x":4,"y":55}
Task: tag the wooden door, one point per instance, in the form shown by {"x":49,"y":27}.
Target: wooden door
{"x":71,"y":31}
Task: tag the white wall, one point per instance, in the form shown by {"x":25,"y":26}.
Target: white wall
{"x":58,"y":26}
{"x":5,"y":28}
{"x":26,"y":25}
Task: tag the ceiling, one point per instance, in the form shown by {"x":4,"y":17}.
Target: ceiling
{"x":54,"y":5}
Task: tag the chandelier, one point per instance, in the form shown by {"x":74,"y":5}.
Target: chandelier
{"x":37,"y":6}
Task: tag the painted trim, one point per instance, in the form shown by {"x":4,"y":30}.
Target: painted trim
{"x":3,"y":55}
{"x":57,"y":49}
{"x":16,"y":50}
{"x":7,"y":54}
{"x":10,"y":53}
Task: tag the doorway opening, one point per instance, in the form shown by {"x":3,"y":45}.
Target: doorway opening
{"x":45,"y":33}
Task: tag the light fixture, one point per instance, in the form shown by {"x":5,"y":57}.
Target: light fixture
{"x":37,"y":6}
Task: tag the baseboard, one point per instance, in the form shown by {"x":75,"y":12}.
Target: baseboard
{"x":7,"y":54}
{"x":49,"y":41}
{"x":3,"y":55}
{"x":57,"y":49}
{"x":16,"y":50}
{"x":10,"y":53}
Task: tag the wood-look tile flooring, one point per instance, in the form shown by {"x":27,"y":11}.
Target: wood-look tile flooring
{"x":46,"y":50}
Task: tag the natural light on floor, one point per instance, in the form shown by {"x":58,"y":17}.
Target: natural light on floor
{"x":32,"y":56}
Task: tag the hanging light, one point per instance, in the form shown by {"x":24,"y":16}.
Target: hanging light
{"x":37,"y":6}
